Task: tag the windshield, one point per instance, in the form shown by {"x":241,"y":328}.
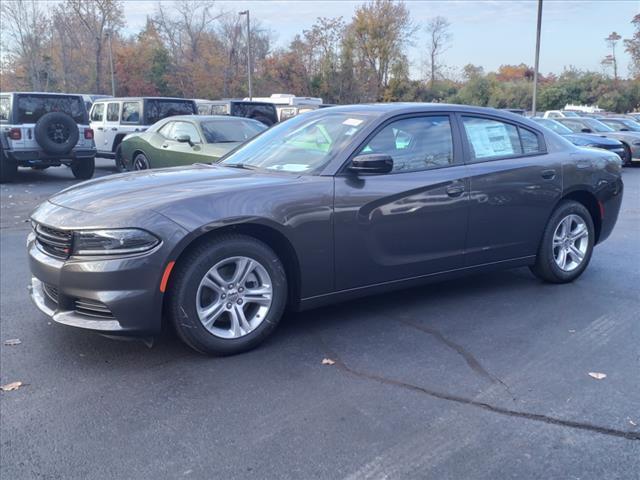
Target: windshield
{"x":32,"y":107}
{"x":227,"y":130}
{"x":570,"y":114}
{"x":553,"y":125}
{"x":303,"y":144}
{"x":597,"y":125}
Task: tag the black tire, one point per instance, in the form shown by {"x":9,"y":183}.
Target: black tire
{"x":546,"y":267}
{"x":8,"y":168}
{"x":83,"y":168}
{"x":186,"y":277}
{"x":628,"y":162}
{"x":56,"y":133}
{"x":121,"y":166}
{"x":140,"y":162}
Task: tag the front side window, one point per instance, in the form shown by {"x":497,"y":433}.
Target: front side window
{"x":131,"y":112}
{"x":303,"y":144}
{"x":415,"y":144}
{"x":98,"y":112}
{"x":113,"y":112}
{"x":491,"y":138}
{"x":185,"y":128}
{"x":4,"y":108}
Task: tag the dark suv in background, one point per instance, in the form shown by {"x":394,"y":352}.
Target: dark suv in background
{"x":264,"y":112}
{"x":42,"y":130}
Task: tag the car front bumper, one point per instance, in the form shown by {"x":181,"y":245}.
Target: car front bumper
{"x":107,"y":295}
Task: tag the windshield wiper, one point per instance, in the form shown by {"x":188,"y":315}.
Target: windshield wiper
{"x":241,"y":165}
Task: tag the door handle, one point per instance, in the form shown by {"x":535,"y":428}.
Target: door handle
{"x":114,"y":129}
{"x":100,"y":128}
{"x":455,"y":190}
{"x":165,"y":146}
{"x":548,"y":174}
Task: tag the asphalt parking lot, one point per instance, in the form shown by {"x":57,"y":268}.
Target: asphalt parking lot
{"x":485,"y":377}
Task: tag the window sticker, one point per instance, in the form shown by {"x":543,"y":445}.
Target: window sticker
{"x":489,"y":139}
{"x":352,"y":122}
{"x":290,"y":167}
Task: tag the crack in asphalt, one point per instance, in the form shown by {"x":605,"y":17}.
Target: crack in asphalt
{"x":536,"y":417}
{"x":468,"y":357}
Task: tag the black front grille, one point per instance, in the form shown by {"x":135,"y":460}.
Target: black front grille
{"x":51,"y":292}
{"x":92,"y":308}
{"x":56,"y":243}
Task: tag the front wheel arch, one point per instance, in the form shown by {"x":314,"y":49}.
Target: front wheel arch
{"x":272,"y":237}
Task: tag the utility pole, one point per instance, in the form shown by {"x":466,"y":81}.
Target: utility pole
{"x":113,"y":78}
{"x":246,"y":12}
{"x":537,"y":62}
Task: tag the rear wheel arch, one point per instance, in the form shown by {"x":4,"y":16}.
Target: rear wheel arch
{"x":590,"y":202}
{"x":270,"y":236}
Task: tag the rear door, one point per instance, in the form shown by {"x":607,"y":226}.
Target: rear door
{"x":410,"y":222}
{"x":514,"y":185}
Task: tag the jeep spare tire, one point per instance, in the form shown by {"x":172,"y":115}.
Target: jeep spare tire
{"x":56,"y":133}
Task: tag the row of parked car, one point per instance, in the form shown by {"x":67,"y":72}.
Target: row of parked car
{"x":40,"y":130}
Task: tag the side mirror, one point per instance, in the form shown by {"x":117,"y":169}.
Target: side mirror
{"x":184,"y":139}
{"x":586,"y":130}
{"x":372,"y":163}
{"x":624,"y":129}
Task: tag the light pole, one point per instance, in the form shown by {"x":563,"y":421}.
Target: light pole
{"x":113,"y":78}
{"x":537,"y":61}
{"x":246,"y":12}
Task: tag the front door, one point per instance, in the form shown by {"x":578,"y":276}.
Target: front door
{"x":407,"y":223}
{"x":515,"y":185}
{"x":111,"y":124}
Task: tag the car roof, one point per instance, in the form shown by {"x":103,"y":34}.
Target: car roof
{"x":130,"y":99}
{"x":44,"y":93}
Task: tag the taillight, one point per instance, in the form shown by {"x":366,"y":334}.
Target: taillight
{"x":88,"y":134}
{"x":15,"y":134}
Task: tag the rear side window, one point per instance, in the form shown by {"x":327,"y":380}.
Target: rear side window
{"x":157,"y":109}
{"x":490,"y":139}
{"x":131,"y":112}
{"x":98,"y":112}
{"x":113,"y":112}
{"x":30,"y":108}
{"x":4,"y":109}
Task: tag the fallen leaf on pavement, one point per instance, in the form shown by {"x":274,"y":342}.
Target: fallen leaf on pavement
{"x":11,"y":386}
{"x":13,"y":341}
{"x":633,"y":423}
{"x":597,"y":376}
{"x":327,"y":361}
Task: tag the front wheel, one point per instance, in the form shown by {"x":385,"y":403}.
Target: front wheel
{"x":227,"y":295}
{"x":120,"y":164}
{"x":567,"y":244}
{"x":83,"y":168}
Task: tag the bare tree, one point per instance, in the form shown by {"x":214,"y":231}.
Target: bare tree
{"x":26,"y":25}
{"x":611,"y":60}
{"x":100,"y":18}
{"x":438,"y":42}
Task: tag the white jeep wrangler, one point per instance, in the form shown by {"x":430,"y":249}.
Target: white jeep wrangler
{"x":42,"y":130}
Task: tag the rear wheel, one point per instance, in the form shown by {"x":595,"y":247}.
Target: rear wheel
{"x":8,"y":168}
{"x":120,"y":165}
{"x":227,"y":296}
{"x":567,"y":244}
{"x":83,"y":168}
{"x":141,"y":162}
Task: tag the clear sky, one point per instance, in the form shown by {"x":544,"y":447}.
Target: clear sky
{"x":488,"y":33}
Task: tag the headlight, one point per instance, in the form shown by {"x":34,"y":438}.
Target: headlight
{"x":113,"y":242}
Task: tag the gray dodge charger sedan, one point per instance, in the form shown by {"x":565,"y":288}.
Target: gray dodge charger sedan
{"x":330,"y":205}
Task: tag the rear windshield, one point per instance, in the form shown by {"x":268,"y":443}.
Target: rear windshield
{"x":156,"y":110}
{"x":30,"y":108}
{"x":253,"y":110}
{"x":226,"y":131}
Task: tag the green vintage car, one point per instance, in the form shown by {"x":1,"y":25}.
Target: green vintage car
{"x":187,"y":139}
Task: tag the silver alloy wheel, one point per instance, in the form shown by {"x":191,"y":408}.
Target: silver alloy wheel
{"x":140,"y":162}
{"x":234,"y":297}
{"x":570,"y":242}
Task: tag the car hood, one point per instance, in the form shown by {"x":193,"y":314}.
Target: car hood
{"x":152,"y":189}
{"x":591,"y":138}
{"x":626,"y":136}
